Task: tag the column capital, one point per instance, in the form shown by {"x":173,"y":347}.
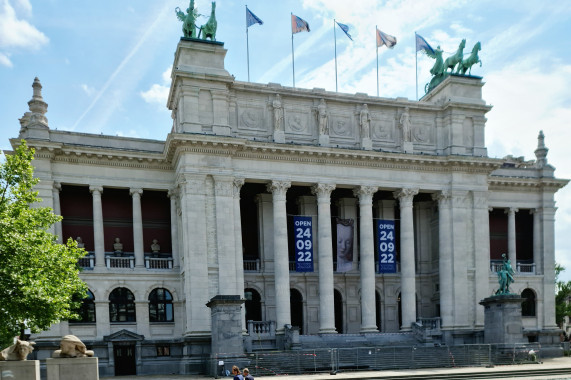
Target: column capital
{"x":192,"y":184}
{"x":443,"y":198}
{"x":223,"y":186}
{"x":365,"y":193}
{"x":135,"y":191}
{"x":237,"y":183}
{"x":172,"y":192}
{"x":323,"y":190}
{"x":278,"y":188}
{"x":57,"y":186}
{"x":405,"y":195}
{"x":96,"y":189}
{"x":511,"y":210}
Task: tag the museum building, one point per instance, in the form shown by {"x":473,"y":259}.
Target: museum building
{"x":330,"y":215}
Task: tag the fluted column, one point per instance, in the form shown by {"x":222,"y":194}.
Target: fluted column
{"x":237,"y":185}
{"x":138,"y":228}
{"x":445,"y":259}
{"x":98,"y":238}
{"x":325,"y":257}
{"x":367,"y":258}
{"x":172,"y":194}
{"x":512,"y":256}
{"x":57,"y":210}
{"x":408,"y":302}
{"x":281,"y":256}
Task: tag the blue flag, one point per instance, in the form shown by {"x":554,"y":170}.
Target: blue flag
{"x":298,"y":24}
{"x":422,"y":45}
{"x":345,"y":28}
{"x":252,"y":19}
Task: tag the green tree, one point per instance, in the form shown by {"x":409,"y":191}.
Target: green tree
{"x":562,"y":296}
{"x":38,"y":276}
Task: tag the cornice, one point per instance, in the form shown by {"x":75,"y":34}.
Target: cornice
{"x":516,"y":183}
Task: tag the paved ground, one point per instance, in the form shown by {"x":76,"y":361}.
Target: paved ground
{"x":563,"y":364}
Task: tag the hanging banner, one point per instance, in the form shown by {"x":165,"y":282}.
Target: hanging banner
{"x":345,"y":233}
{"x":386,"y":244}
{"x":303,"y":243}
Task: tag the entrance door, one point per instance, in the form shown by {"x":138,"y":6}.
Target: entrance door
{"x":296,"y":305}
{"x":124,"y":360}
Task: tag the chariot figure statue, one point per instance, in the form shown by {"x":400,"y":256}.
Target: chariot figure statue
{"x":188,"y":20}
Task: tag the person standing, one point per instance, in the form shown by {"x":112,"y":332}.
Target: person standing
{"x":236,"y":373}
{"x":247,"y":375}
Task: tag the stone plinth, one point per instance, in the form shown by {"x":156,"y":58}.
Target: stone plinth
{"x":72,"y":368}
{"x":226,"y":316}
{"x":502,"y":319}
{"x":24,"y":369}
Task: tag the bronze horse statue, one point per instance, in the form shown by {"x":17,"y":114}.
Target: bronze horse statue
{"x":188,"y":20}
{"x":208,"y":30}
{"x":466,"y":64}
{"x":453,"y":60}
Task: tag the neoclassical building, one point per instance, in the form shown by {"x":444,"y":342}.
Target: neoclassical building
{"x":337,"y":214}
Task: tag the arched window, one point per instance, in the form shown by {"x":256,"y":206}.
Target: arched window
{"x":528,"y":306}
{"x":122,"y":306}
{"x":160,"y":306}
{"x":86,"y":311}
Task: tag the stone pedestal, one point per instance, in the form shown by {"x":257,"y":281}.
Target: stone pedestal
{"x":502,"y":319}
{"x":279,"y":137}
{"x":407,"y":147}
{"x":226,"y":316}
{"x":323,"y":140}
{"x":24,"y":369}
{"x":72,"y":368}
{"x":367,"y":143}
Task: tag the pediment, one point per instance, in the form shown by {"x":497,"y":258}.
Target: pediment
{"x":123,"y":336}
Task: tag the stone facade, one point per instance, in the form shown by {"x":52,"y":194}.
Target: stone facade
{"x":220,"y":191}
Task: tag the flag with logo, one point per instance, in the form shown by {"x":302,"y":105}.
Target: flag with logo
{"x":298,"y":24}
{"x":252,"y":19}
{"x":385,"y":39}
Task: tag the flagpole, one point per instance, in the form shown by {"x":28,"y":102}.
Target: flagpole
{"x":247,"y":45}
{"x":416,"y":65}
{"x":335,"y":38}
{"x":376,"y":28}
{"x":292,"y":57}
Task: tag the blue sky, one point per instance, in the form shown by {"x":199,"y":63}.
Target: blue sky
{"x":104,"y":65}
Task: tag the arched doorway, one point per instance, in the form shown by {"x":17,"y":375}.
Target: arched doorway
{"x":296,"y":305}
{"x":253,"y":305}
{"x":338,"y":301}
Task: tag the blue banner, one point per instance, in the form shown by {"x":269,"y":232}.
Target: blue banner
{"x":303,"y":243}
{"x":386,"y":245}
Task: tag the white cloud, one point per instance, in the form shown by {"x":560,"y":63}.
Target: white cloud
{"x":5,"y":60}
{"x":16,"y":32}
{"x":158,"y":93}
{"x":88,"y":90}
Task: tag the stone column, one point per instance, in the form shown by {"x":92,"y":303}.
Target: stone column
{"x":226,"y":236}
{"x":102,"y":317}
{"x":367,"y":258}
{"x":482,"y":253}
{"x":281,"y":258}
{"x":138,"y":228}
{"x":194,"y":248}
{"x":408,"y":299}
{"x":325,"y":253}
{"x":265,"y":233}
{"x":237,"y":185}
{"x":548,"y":238}
{"x":445,"y":259}
{"x":537,"y":259}
{"x":57,"y":210}
{"x":172,"y":194}
{"x":511,"y":236}
{"x":142,"y":316}
{"x":98,"y":238}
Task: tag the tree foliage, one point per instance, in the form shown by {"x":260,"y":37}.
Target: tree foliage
{"x":38,"y":276}
{"x":562,"y":296}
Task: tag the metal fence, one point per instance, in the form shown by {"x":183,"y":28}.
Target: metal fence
{"x":335,"y":360}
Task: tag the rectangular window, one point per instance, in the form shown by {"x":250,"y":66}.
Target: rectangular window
{"x":163,"y":350}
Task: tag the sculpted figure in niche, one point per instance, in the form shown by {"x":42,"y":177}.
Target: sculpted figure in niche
{"x":79,"y":242}
{"x":365,"y":121}
{"x":322,"y":117}
{"x":155,"y":247}
{"x":71,"y":347}
{"x":18,"y":351}
{"x":118,"y":246}
{"x":405,"y":125}
{"x":278,"y":113}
